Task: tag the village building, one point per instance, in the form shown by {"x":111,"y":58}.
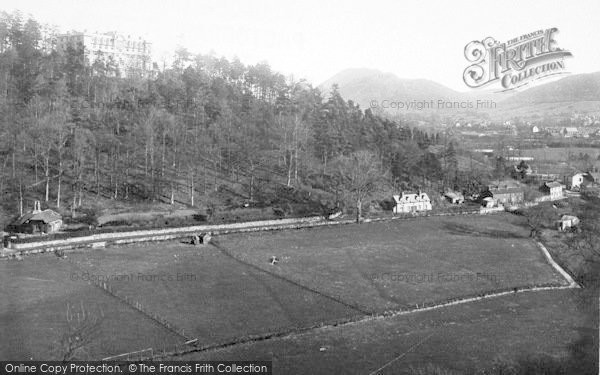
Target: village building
{"x":133,"y":56}
{"x":503,"y":194}
{"x":520,"y":158}
{"x":566,"y":222}
{"x":570,"y":131}
{"x":412,"y":202}
{"x":554,"y":132}
{"x":553,"y":189}
{"x":576,"y":180}
{"x":543,"y":177}
{"x":584,"y":179}
{"x":488,"y":202}
{"x":454,"y":197}
{"x":586,"y":132}
{"x":37,"y":221}
{"x":593,"y":177}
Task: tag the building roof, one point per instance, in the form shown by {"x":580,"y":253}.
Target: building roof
{"x":568,"y":218}
{"x":506,"y":191}
{"x":507,"y":187}
{"x":553,"y":184}
{"x":592,"y":176}
{"x":454,"y":195}
{"x":411,"y":198}
{"x":46,"y":216}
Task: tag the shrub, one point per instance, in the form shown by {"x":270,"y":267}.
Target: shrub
{"x":117,"y":223}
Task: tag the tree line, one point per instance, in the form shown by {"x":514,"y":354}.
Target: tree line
{"x":74,"y":125}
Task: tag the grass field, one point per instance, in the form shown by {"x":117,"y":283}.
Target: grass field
{"x":462,"y":339}
{"x":401,"y":263}
{"x":229,"y":291}
{"x":216,"y":299}
{"x":34,"y":298}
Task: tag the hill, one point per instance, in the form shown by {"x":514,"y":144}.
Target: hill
{"x":571,"y":89}
{"x":575,"y":93}
{"x":365,"y":85}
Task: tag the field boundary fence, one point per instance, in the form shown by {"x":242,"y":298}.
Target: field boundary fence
{"x":192,"y":345}
{"x":122,"y":238}
{"x":107,"y":288}
{"x":138,"y":355}
{"x":181,"y":349}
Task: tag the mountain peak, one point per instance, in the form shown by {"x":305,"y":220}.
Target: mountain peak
{"x":363,"y":85}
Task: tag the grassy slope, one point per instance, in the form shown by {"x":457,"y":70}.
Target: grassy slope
{"x":464,"y":338}
{"x":344,"y":261}
{"x":34,"y":297}
{"x":224,"y":299}
{"x":218,"y":299}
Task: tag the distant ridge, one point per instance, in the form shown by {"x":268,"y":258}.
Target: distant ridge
{"x":579,"y":92}
{"x":574,"y":88}
{"x":364,"y":85}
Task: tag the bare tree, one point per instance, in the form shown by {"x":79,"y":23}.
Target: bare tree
{"x":537,"y":217}
{"x":59,"y":140}
{"x":83,"y":327}
{"x":360,"y":175}
{"x":585,"y":242}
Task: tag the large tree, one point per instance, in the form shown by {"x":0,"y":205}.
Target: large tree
{"x":359,"y":175}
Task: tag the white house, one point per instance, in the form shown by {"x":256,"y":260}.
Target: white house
{"x":488,"y":202}
{"x":554,"y":189}
{"x":412,"y":202}
{"x":570,"y":131}
{"x":535,"y":129}
{"x":576,"y":180}
{"x":567,"y":221}
{"x":454,"y":197}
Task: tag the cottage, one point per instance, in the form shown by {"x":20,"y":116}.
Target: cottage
{"x":411,"y":202}
{"x":554,"y":132}
{"x":487,"y":202}
{"x":504,"y":194}
{"x":592,"y":178}
{"x":454,"y":197}
{"x":584,"y":179}
{"x":37,"y":221}
{"x":554,"y":189}
{"x":570,"y":132}
{"x":576,"y":181}
{"x":543,"y":177}
{"x":566,"y":222}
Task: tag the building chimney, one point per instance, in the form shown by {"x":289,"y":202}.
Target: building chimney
{"x":37,"y":207}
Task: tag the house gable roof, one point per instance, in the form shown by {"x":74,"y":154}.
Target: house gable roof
{"x":46,"y":216}
{"x":568,"y":218}
{"x":454,"y":195}
{"x":411,"y":198}
{"x":553,"y":184}
{"x":506,"y":191}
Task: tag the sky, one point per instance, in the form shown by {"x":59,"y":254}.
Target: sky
{"x":317,"y":39}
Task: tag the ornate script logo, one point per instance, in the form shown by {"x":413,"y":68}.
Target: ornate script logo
{"x":515,"y":63}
